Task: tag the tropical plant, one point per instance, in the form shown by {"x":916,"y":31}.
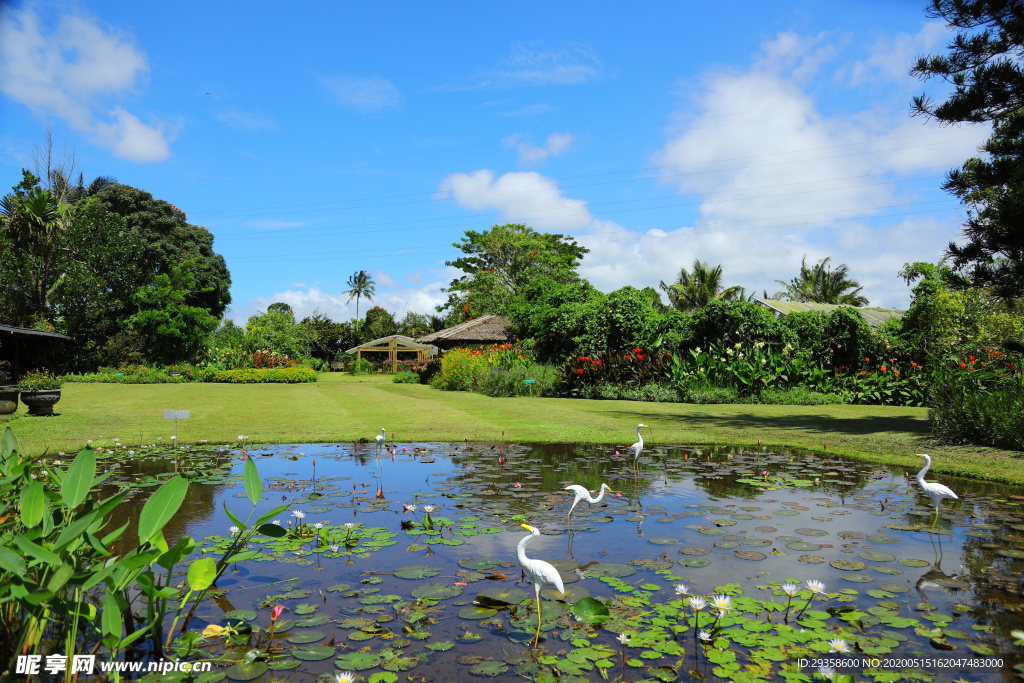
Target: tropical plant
{"x":823,"y":285}
{"x":40,"y":380}
{"x":694,"y":290}
{"x":359,"y":285}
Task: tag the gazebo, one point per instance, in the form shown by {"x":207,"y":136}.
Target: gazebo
{"x":394,"y":345}
{"x":487,"y":329}
{"x":17,"y":334}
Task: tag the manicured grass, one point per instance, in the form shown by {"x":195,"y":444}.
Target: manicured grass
{"x":341,"y":407}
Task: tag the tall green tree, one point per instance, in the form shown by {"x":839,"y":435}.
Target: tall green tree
{"x":359,"y":285}
{"x":823,"y":285}
{"x":694,"y":290}
{"x":499,"y":264}
{"x":984,"y":66}
{"x":170,"y":240}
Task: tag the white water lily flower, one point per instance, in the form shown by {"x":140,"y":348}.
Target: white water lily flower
{"x":349,"y":525}
{"x":624,"y":638}
{"x":682,"y":589}
{"x":839,"y":645}
{"x":790,"y":589}
{"x":827,"y":671}
{"x":344,"y":677}
{"x":705,"y":636}
{"x":721,"y":602}
{"x":698,"y":603}
{"x":318,"y":525}
{"x":335,"y":547}
{"x":234,"y":530}
{"x":815,"y":586}
{"x":298,"y":514}
{"x":277,"y":522}
{"x":429,"y":508}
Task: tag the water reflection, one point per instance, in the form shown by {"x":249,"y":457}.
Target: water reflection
{"x":704,"y":515}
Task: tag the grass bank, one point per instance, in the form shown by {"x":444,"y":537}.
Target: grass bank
{"x":341,"y":407}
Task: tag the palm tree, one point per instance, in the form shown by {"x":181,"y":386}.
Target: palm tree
{"x":360,"y":285}
{"x":692,"y":291}
{"x":821,"y":285}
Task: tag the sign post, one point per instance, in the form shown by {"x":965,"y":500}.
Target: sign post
{"x":175,"y":415}
{"x":531,"y":382}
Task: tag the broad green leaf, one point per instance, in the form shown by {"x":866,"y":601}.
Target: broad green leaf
{"x":201,"y":573}
{"x":60,"y":577}
{"x":272,"y":530}
{"x":8,"y":443}
{"x":11,"y":561}
{"x":36,"y":551}
{"x":74,"y":530}
{"x":182,"y":548}
{"x":242,"y":557}
{"x":269,"y":515}
{"x":253,"y":485}
{"x":111,"y":615}
{"x":33,"y":500}
{"x":235,"y":520}
{"x":78,"y":480}
{"x":159,"y":509}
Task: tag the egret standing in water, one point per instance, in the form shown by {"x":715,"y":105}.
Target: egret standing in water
{"x":540,"y":572}
{"x":934,"y":490}
{"x":636,"y":448}
{"x":582,"y":493}
{"x":381,"y":438}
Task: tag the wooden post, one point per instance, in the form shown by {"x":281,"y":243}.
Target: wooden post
{"x":359,"y":360}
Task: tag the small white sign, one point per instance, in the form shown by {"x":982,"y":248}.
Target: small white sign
{"x":175,"y":414}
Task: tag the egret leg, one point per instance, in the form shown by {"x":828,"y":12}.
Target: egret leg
{"x":536,"y":638}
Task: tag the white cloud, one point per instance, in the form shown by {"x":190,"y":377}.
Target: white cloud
{"x":892,"y":55}
{"x":526,"y":66}
{"x":362,"y":94}
{"x":73,"y":69}
{"x":529,"y":198}
{"x":255,"y":121}
{"x":557,"y":143}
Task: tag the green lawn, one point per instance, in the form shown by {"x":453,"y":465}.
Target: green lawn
{"x":343,"y":408}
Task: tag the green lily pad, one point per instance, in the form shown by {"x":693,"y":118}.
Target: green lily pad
{"x":1011,"y":552}
{"x":875,"y":556}
{"x":712,"y":531}
{"x":480,"y":564}
{"x":695,"y":563}
{"x":304,"y":637}
{"x":883,"y":539}
{"x":858,"y":578}
{"x":440,"y":646}
{"x":475,"y":612}
{"x":663,"y":540}
{"x":612,"y":569}
{"x":894,"y":587}
{"x":812,"y":532}
{"x":312,"y":653}
{"x":357,"y":660}
{"x":851,"y":534}
{"x":590,"y":611}
{"x":246,"y":614}
{"x":887,"y":569}
{"x":811,"y":559}
{"x":757,"y":542}
{"x":695,"y":550}
{"x":804,"y":546}
{"x":417,"y":571}
{"x":728,"y":545}
{"x":318,"y":620}
{"x":437,"y":591}
{"x":849,"y":565}
{"x":917,"y":563}
{"x":490,"y":668}
{"x":280,"y":665}
{"x":750,"y":555}
{"x":502,"y":596}
{"x":247,"y":672}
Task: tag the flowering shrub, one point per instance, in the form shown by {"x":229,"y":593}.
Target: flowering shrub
{"x":236,"y":358}
{"x":633,"y":367}
{"x":462,"y":369}
{"x":978,"y":398}
{"x":40,"y":380}
{"x":259,"y":376}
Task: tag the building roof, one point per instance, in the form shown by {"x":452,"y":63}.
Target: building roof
{"x":872,"y":315}
{"x":29,"y":332}
{"x":486,"y":328}
{"x":402,"y":343}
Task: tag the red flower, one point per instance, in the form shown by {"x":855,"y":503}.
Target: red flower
{"x":579,"y":371}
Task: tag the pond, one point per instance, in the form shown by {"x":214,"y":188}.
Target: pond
{"x":412,"y":574}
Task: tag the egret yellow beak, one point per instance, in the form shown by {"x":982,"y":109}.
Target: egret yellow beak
{"x":527,"y":526}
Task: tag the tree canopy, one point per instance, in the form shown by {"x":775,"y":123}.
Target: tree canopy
{"x":985,"y":65}
{"x":694,"y":290}
{"x":823,"y":285}
{"x":360,"y":284}
{"x":500,"y":263}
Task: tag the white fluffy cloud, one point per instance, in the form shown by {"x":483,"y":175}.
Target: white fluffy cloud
{"x":72,"y":71}
{"x":362,"y":94}
{"x":518,"y":198}
{"x":556,"y":144}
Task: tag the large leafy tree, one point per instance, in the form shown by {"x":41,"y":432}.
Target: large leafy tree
{"x":499,"y":264}
{"x":360,"y":285}
{"x":823,"y":285}
{"x":694,"y":289}
{"x":169,"y":239}
{"x":984,"y":64}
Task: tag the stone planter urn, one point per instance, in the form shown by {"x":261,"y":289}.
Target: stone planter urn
{"x":8,"y":399}
{"x":40,"y":402}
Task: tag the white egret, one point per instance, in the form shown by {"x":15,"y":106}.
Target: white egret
{"x":934,"y":490}
{"x":540,"y":572}
{"x":380,"y":438}
{"x":636,"y":448}
{"x":583,"y":494}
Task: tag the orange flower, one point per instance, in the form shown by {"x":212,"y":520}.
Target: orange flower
{"x":883,"y":368}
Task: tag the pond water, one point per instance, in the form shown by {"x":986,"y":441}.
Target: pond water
{"x":392,"y":600}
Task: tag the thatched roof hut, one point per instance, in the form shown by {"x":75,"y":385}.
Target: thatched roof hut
{"x":487,"y":329}
{"x":873,"y":315}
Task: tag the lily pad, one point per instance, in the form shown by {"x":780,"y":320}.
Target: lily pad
{"x":887,"y":569}
{"x":894,"y":587}
{"x":695,"y":550}
{"x":695,"y":563}
{"x":312,"y":653}
{"x":852,"y":534}
{"x":476,"y":612}
{"x":246,"y":614}
{"x":751,"y":555}
{"x":812,"y":532}
{"x":917,"y":563}
{"x":875,"y":556}
{"x":1012,"y":552}
{"x":811,"y":559}
{"x":804,"y":546}
{"x":612,"y":569}
{"x":304,"y":637}
{"x":247,"y":672}
{"x":437,"y":591}
{"x":849,"y":565}
{"x":491,"y":668}
{"x":663,"y":540}
{"x":480,"y":564}
{"x":883,"y":539}
{"x":357,"y":661}
{"x":417,"y":571}
{"x":502,"y":596}
{"x":590,"y":611}
{"x":858,"y":578}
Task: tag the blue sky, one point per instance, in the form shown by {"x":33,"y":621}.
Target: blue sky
{"x":327,"y":138}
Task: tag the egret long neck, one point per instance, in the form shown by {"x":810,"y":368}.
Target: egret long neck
{"x":521,"y":550}
{"x":639,"y":437}
{"x":600,"y":495}
{"x":920,"y":475}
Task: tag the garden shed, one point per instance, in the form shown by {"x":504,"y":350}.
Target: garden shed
{"x":872,"y":315}
{"x":487,"y":329}
{"x":11,"y":338}
{"x":394,"y":345}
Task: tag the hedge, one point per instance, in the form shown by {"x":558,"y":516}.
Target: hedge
{"x":254,"y":376}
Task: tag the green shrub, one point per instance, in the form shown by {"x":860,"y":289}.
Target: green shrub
{"x":653,"y":392}
{"x":406,"y":378}
{"x":799,"y":396}
{"x":497,"y":382}
{"x":137,"y":374}
{"x":706,"y":394}
{"x":458,"y":370}
{"x":254,"y":376}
